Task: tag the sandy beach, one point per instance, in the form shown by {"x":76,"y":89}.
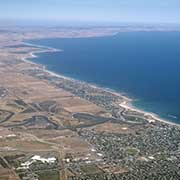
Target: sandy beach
{"x":126,"y":103}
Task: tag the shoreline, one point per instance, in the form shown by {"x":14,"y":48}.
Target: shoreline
{"x":125,"y":104}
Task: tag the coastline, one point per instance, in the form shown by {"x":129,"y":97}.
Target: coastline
{"x":126,"y":104}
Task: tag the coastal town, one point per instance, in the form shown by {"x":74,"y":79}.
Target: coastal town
{"x":57,"y":128}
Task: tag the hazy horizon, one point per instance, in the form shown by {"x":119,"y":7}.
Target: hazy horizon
{"x":90,"y":11}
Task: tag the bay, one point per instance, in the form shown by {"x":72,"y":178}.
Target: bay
{"x":143,"y":65}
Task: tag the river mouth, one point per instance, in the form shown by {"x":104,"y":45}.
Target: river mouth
{"x":92,"y":120}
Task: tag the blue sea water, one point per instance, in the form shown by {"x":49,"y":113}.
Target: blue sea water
{"x":143,"y":65}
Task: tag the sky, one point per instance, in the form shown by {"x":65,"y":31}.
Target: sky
{"x":112,"y":11}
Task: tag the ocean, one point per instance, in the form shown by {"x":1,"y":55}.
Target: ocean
{"x":142,"y":65}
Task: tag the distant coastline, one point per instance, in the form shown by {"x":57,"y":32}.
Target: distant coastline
{"x":126,"y":103}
